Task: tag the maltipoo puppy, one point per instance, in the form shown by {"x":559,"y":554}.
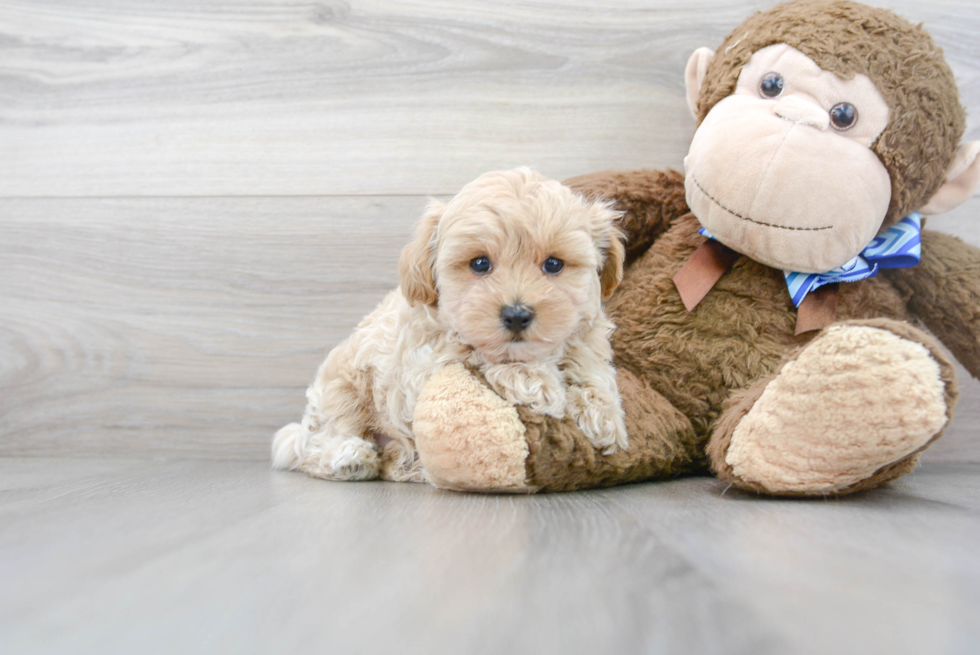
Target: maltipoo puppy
{"x":508,"y":277}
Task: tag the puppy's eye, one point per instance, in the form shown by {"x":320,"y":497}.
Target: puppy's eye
{"x":771,"y":85}
{"x":480,"y":265}
{"x":553,"y":266}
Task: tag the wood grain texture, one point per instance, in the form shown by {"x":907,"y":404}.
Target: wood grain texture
{"x":120,"y":556}
{"x":179,"y":326}
{"x":191,"y":327}
{"x":131,"y":98}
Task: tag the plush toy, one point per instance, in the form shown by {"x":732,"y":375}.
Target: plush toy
{"x":768,"y":320}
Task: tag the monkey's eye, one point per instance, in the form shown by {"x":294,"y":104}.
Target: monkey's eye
{"x":843,"y":116}
{"x":480,"y":265}
{"x":553,"y":266}
{"x":771,"y":85}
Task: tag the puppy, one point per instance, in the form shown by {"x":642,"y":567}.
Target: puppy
{"x":508,"y":277}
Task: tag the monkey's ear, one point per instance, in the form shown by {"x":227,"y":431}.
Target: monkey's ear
{"x":694,"y":74}
{"x":962,"y":179}
{"x":415,"y":274}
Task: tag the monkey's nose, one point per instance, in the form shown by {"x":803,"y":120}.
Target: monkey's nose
{"x":516,"y":317}
{"x":798,"y":110}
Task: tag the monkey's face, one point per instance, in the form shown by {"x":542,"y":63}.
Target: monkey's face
{"x":782,"y":170}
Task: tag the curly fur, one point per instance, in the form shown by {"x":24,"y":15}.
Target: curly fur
{"x":444,"y":312}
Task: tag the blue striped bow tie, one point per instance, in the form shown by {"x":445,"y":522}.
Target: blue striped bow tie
{"x":899,"y":246}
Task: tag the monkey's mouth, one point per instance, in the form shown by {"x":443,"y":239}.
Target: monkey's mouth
{"x":752,"y":220}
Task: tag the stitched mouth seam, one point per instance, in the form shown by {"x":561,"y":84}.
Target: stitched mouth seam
{"x":752,"y":220}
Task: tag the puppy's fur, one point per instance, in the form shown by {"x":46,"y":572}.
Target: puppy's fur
{"x":365,"y":392}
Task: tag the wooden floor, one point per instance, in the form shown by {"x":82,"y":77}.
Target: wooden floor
{"x":198,"y":198}
{"x":135,"y":556}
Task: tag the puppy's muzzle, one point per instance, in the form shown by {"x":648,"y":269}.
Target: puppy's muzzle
{"x":516,"y":318}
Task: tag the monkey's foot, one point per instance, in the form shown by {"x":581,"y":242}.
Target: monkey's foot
{"x":852,"y":410}
{"x":469,"y":438}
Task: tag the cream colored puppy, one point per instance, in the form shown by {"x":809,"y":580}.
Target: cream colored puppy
{"x":508,"y":277}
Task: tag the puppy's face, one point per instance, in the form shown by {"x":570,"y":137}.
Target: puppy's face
{"x":514,"y":263}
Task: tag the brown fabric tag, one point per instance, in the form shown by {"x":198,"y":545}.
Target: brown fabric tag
{"x":818,"y":309}
{"x":702,"y":271}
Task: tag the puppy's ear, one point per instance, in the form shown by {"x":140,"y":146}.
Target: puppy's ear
{"x":609,"y":238}
{"x":415,"y":274}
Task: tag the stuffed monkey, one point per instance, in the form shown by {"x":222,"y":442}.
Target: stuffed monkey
{"x":769,"y":323}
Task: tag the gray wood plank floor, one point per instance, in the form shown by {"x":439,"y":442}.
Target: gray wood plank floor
{"x":124,"y":556}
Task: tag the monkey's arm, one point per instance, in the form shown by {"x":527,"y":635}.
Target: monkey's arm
{"x":944,"y":292}
{"x":650,"y":200}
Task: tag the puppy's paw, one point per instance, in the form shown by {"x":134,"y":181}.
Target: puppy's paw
{"x":355,"y":459}
{"x":599,"y":415}
{"x":537,"y":386}
{"x":550,"y":402}
{"x":342,"y":458}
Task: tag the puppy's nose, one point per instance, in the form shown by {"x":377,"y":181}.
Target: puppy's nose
{"x":516,"y":317}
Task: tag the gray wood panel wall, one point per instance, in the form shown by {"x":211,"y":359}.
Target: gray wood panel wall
{"x":197,"y":199}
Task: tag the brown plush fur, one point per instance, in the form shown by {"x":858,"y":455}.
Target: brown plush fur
{"x":685,"y":376}
{"x":712,"y":364}
{"x":650,"y":200}
{"x":740,"y":332}
{"x":561,"y":459}
{"x":902,"y":60}
{"x":943,"y":291}
{"x":688,"y":378}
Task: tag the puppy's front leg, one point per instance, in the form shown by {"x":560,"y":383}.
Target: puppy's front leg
{"x":534,"y":384}
{"x":593,"y":397}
